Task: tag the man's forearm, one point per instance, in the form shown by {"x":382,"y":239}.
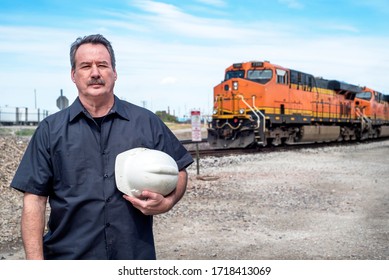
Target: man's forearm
{"x":33,"y":225}
{"x":181,"y":186}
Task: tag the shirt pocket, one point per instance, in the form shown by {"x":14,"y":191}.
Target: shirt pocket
{"x":70,"y":167}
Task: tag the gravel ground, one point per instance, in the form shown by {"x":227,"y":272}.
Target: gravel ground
{"x":325,"y":203}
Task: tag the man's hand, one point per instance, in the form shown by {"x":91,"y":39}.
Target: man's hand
{"x":150,"y":203}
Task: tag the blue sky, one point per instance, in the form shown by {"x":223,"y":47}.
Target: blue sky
{"x":170,"y":54}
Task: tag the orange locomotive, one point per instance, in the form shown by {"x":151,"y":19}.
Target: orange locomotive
{"x":260,"y":103}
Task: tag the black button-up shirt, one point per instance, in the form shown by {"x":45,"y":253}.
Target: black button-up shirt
{"x":71,"y":160}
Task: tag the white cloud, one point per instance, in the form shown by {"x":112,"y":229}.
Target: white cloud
{"x":168,"y":57}
{"x":341,"y":27}
{"x":168,"y":81}
{"x":170,"y":19}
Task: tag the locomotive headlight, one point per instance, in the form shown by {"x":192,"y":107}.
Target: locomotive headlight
{"x":241,"y":111}
{"x":235,"y":85}
{"x":215,"y":111}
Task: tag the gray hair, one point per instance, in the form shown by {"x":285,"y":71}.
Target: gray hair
{"x":91,"y":39}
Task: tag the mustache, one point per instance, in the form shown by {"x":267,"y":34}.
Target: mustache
{"x":96,"y":82}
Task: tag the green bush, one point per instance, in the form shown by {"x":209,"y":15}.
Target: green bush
{"x":25,"y":132}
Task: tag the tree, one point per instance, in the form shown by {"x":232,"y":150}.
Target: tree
{"x":165,"y":117}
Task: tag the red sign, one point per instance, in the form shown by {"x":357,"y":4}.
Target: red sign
{"x":196,"y":126}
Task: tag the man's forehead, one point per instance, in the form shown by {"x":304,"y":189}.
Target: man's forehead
{"x":96,"y":51}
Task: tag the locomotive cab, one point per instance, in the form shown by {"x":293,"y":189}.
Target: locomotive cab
{"x":238,"y":120}
{"x":363,"y":102}
{"x":373,"y":110}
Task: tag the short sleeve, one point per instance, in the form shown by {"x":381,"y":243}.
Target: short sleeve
{"x":34,"y":173}
{"x":169,"y":143}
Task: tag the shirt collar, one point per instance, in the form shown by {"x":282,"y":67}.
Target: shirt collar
{"x":77,"y":109}
{"x":119,"y":108}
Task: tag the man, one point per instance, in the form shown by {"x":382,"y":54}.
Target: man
{"x":70,"y":161}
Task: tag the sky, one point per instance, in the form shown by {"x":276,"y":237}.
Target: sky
{"x":170,"y":54}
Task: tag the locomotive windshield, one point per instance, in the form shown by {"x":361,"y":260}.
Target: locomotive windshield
{"x":234,"y":74}
{"x":260,"y":76}
{"x":364,"y":95}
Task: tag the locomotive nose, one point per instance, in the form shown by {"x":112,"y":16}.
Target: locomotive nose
{"x":231,"y":86}
{"x":235,"y":85}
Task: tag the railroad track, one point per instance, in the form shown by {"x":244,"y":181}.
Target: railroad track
{"x":203,"y":149}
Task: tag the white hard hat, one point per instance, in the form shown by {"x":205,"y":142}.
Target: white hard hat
{"x":142,"y":169}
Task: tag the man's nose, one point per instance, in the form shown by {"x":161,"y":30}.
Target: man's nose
{"x":95,"y":71}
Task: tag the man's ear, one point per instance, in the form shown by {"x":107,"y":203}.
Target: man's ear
{"x":72,"y":76}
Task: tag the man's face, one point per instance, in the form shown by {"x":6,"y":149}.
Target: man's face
{"x":93,"y":73}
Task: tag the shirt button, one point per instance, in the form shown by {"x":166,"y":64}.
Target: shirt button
{"x":105,"y":175}
{"x":107,"y":225}
{"x":108,"y":199}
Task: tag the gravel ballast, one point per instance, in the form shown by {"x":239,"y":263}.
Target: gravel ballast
{"x":325,"y":203}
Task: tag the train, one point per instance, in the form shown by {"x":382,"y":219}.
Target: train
{"x":261,"y":104}
{"x":21,"y":116}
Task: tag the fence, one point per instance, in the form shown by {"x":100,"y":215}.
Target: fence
{"x":21,"y":116}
